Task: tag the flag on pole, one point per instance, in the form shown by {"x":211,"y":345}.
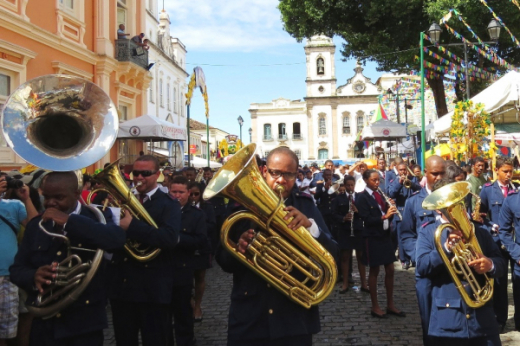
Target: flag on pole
{"x":379,"y":114}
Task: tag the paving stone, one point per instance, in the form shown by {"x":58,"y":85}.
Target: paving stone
{"x":345,"y":318}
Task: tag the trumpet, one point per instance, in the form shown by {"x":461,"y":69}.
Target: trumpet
{"x":389,"y":202}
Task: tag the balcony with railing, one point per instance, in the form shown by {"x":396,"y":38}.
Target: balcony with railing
{"x":297,"y":137}
{"x":128,"y":50}
{"x":268,"y":138}
{"x":282,"y":137}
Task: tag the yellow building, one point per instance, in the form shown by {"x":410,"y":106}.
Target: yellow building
{"x":75,"y":37}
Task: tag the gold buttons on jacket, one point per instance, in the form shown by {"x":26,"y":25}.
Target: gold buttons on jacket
{"x":447,"y":305}
{"x":125,"y":259}
{"x":79,"y":245}
{"x":58,"y":253}
{"x":87,"y":302}
{"x":270,"y":311}
{"x":468,"y":316}
{"x":58,"y":315}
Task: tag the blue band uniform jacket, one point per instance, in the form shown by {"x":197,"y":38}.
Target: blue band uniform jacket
{"x":193,"y":237}
{"x":258,"y":311}
{"x":37,"y":249}
{"x":509,"y":221}
{"x":146,"y":282}
{"x":450,"y":316}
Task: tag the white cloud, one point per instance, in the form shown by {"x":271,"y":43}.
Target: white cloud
{"x":218,"y":25}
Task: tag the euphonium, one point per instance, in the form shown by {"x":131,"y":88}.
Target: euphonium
{"x":61,"y":123}
{"x":449,"y":200}
{"x":276,"y":251}
{"x":122,"y":197}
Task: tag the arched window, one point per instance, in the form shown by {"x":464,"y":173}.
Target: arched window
{"x":298,"y":153}
{"x":320,"y":66}
{"x":322,"y":126}
{"x":168,"y":96}
{"x":296,"y":131}
{"x":323,"y":154}
{"x":267,"y":132}
{"x":360,"y":122}
{"x":282,"y":135}
{"x":175,"y":100}
{"x":161,"y":99}
{"x":346,"y":123}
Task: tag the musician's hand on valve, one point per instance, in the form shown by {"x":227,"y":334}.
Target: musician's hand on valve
{"x":44,"y":276}
{"x":59,"y":217}
{"x":482,"y":264}
{"x":298,"y":218}
{"x":348,"y":217}
{"x":453,"y":238}
{"x":245,"y":240}
{"x":125,"y":221}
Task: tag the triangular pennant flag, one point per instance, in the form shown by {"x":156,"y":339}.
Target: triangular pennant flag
{"x":379,"y":114}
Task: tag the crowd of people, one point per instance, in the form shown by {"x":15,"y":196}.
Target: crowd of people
{"x":376,"y":212}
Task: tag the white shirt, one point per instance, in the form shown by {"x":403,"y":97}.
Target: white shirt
{"x":360,"y":183}
{"x":148,"y":195}
{"x":386,"y":223}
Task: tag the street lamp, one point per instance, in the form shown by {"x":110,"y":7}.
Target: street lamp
{"x":250,"y":135}
{"x":240,"y":122}
{"x":435,"y":34}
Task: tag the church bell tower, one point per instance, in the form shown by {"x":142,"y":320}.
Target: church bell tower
{"x":321,"y":72}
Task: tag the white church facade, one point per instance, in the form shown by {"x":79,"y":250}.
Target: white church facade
{"x":324,"y":125}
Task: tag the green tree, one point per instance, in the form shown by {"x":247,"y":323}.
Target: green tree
{"x":387,"y":32}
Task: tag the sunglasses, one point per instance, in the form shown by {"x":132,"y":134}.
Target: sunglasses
{"x":144,"y":174}
{"x":286,"y":175}
{"x":195,"y":194}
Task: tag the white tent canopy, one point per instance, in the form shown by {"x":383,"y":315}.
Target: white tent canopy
{"x":383,"y":130}
{"x":405,"y":147}
{"x":198,"y":162}
{"x":152,"y":129}
{"x":502,"y":93}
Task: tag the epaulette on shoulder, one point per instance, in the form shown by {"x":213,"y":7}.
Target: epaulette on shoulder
{"x":303,"y":194}
{"x":488,"y":184}
{"x":511,"y":192}
{"x":415,"y":193}
{"x":429,"y":222}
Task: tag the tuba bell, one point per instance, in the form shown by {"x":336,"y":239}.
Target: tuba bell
{"x":61,"y":123}
{"x":276,"y":251}
{"x":449,"y":199}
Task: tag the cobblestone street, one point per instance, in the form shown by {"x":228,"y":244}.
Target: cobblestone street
{"x":345,"y":318}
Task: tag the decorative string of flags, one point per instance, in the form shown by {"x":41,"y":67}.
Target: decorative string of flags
{"x":513,"y":38}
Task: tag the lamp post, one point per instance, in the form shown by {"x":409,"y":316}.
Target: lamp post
{"x":434,"y":32}
{"x":250,"y":135}
{"x":240,"y":122}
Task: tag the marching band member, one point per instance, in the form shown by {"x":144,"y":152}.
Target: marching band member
{"x":381,"y":168}
{"x":377,"y":242}
{"x":348,"y":239}
{"x":141,"y":292}
{"x":194,"y":237}
{"x":400,"y":194}
{"x":35,"y":266}
{"x":414,"y":218}
{"x":451,"y":321}
{"x":259,"y":314}
{"x":492,"y":197}
{"x":323,"y":198}
{"x":392,"y":173}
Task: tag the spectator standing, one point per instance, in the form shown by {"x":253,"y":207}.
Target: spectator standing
{"x":13,"y":214}
{"x":121,"y":32}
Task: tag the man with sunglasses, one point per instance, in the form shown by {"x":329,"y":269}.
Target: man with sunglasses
{"x":141,"y":291}
{"x":259,"y":314}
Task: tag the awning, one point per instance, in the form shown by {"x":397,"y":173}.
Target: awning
{"x":151,"y":129}
{"x":383,"y":130}
{"x":501,"y":96}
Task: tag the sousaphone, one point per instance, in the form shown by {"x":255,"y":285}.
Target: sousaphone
{"x":61,"y":123}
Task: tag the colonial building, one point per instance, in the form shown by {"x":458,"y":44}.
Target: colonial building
{"x":215,"y":136}
{"x":167,"y":59}
{"x":76,"y":37}
{"x":325,"y":124}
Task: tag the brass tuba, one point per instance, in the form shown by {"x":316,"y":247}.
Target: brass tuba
{"x":276,"y":251}
{"x":449,"y":200}
{"x":122,"y":197}
{"x":61,"y":123}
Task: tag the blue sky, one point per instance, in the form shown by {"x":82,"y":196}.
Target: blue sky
{"x":246,"y":56}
